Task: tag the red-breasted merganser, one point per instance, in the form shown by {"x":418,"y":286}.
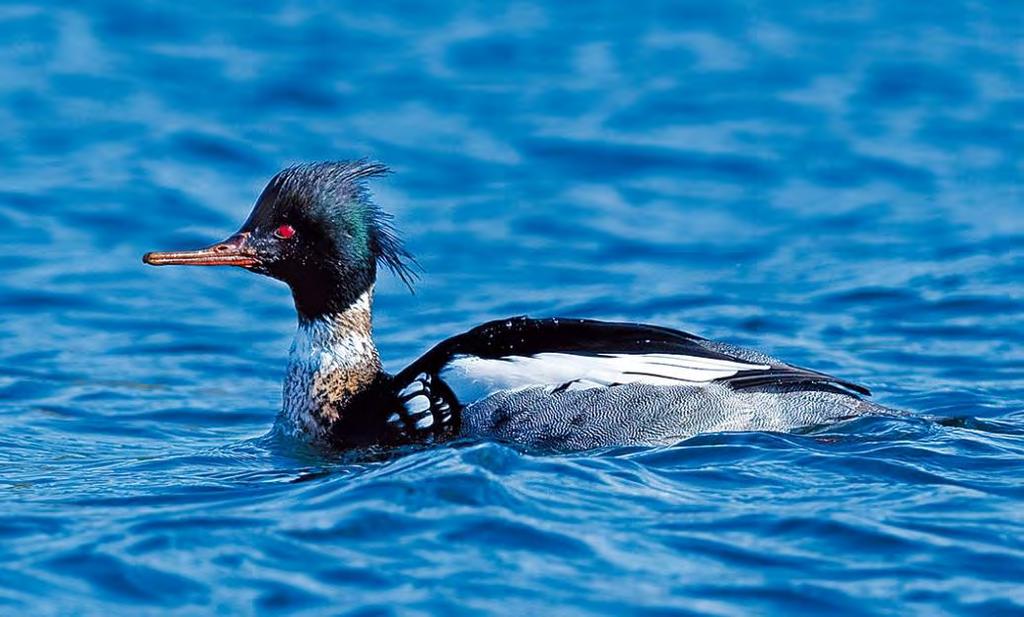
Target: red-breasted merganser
{"x":564,"y":384}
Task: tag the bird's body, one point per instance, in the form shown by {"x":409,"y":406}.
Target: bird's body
{"x":551,"y":383}
{"x":564,"y":384}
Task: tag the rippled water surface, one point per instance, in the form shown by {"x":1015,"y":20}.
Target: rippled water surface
{"x":838,"y":183}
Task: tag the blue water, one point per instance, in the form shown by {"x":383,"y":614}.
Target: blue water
{"x":837,"y":183}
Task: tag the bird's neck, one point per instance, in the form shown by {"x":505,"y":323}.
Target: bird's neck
{"x":333,"y":360}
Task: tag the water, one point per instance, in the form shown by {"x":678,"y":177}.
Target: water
{"x":836,"y":183}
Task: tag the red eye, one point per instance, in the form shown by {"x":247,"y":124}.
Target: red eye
{"x":284,"y":232}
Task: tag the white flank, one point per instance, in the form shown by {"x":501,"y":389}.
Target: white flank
{"x":472,"y":377}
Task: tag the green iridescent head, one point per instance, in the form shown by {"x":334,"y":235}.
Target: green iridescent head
{"x":315,"y":228}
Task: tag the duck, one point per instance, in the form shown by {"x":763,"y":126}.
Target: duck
{"x":564,"y":384}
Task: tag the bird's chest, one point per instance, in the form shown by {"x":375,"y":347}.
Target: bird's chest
{"x":323,"y":381}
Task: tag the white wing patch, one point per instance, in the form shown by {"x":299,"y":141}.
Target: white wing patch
{"x":472,"y":378}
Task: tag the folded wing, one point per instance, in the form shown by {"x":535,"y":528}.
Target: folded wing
{"x":577,"y":353}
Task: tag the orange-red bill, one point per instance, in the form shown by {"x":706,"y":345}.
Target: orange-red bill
{"x":230,"y":252}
